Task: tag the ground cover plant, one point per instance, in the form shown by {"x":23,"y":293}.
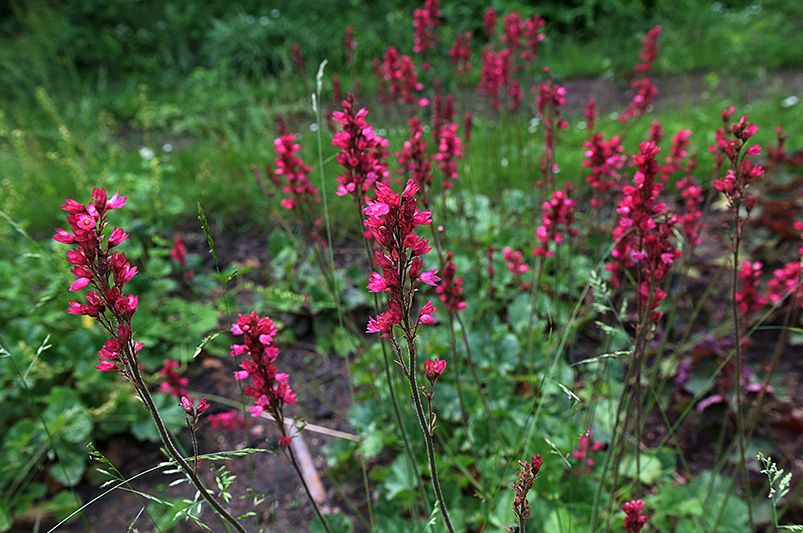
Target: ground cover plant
{"x":421,"y":279}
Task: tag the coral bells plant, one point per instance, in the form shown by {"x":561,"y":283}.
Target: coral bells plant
{"x":643,"y":235}
{"x":548,"y":102}
{"x":450,"y":149}
{"x":450,"y":291}
{"x":391,"y":220}
{"x":414,"y":161}
{"x":426,"y":20}
{"x":106,"y":271}
{"x":635,"y":520}
{"x":605,"y":160}
{"x":733,"y":143}
{"x":293,"y":174}
{"x":269,"y":388}
{"x":557,"y":217}
{"x":527,"y":474}
{"x":398,"y":72}
{"x":460,"y":53}
{"x":362,"y":152}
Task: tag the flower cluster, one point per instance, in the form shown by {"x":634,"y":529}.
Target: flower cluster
{"x":551,"y":97}
{"x":398,"y":72}
{"x":107,"y":272}
{"x":643,"y":233}
{"x":533,"y":36}
{"x":362,"y":152}
{"x":635,"y":520}
{"x":414,"y":161}
{"x":231,"y":420}
{"x":460,"y":53}
{"x":494,"y":74}
{"x":391,"y":220}
{"x":269,"y":388}
{"x":605,"y":160}
{"x":433,"y":369}
{"x":442,"y":112}
{"x":449,"y":150}
{"x":585,"y":448}
{"x":173,"y":384}
{"x":515,"y":261}
{"x":425,"y":21}
{"x":748,"y":296}
{"x":692,"y":195}
{"x":296,"y":185}
{"x":349,"y":45}
{"x":489,"y":21}
{"x":192,"y":409}
{"x":528,"y":472}
{"x":736,"y":183}
{"x":556,"y":212}
{"x":645,"y":92}
{"x":590,"y":113}
{"x":649,"y":50}
{"x":450,"y":291}
{"x":785,"y":281}
{"x":678,"y":152}
{"x":179,"y":252}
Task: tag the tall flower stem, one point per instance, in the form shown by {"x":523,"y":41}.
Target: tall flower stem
{"x":170,"y":447}
{"x":427,"y":428}
{"x":737,"y":334}
{"x":408,"y":447}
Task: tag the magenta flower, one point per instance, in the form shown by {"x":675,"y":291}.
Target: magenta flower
{"x":748,"y":295}
{"x":229,"y":420}
{"x":434,"y":368}
{"x":450,"y":291}
{"x":634,"y":519}
{"x":605,"y":160}
{"x":399,"y":254}
{"x":649,"y":50}
{"x":414,"y":161}
{"x":460,"y":53}
{"x":425,"y":23}
{"x":362,"y":152}
{"x":173,"y":384}
{"x":557,"y":217}
{"x":106,"y":272}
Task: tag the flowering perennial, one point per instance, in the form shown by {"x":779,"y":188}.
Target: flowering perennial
{"x":643,"y":232}
{"x":414,"y":161}
{"x":296,"y":186}
{"x":107,"y":272}
{"x":649,"y":50}
{"x":634,"y":519}
{"x":748,"y":296}
{"x":605,"y":160}
{"x":527,"y":474}
{"x":425,"y":21}
{"x":173,"y":384}
{"x":362,"y":152}
{"x":269,"y":388}
{"x":556,"y":212}
{"x":489,"y":21}
{"x":391,"y":219}
{"x":450,"y":291}
{"x":460,"y":53}
{"x":586,"y":447}
{"x":398,"y":72}
{"x":786,"y":281}
{"x":551,"y":97}
{"x":450,"y":149}
{"x":515,"y":261}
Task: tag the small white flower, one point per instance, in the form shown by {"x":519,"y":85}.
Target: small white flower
{"x":790,"y":101}
{"x":313,"y":127}
{"x":146,"y":153}
{"x":167,"y":147}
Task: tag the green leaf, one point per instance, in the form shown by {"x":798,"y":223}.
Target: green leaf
{"x":650,"y":468}
{"x":401,"y":480}
{"x":69,"y":468}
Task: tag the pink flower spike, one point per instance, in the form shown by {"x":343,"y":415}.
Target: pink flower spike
{"x":117,"y":237}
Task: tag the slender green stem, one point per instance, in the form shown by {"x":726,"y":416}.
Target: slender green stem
{"x":164,"y":435}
